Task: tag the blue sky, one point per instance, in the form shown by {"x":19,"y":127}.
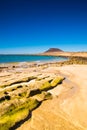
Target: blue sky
{"x":32,"y":26}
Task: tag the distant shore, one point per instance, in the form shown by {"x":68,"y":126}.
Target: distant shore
{"x":62,"y":53}
{"x":66,"y":54}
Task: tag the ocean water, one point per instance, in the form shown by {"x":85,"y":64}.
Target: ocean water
{"x":29,"y":58}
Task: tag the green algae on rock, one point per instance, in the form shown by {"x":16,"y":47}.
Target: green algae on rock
{"x":13,"y":116}
{"x":56,"y":81}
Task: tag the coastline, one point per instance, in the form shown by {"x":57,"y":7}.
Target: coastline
{"x":70,"y":60}
{"x":66,"y":54}
{"x":29,"y":58}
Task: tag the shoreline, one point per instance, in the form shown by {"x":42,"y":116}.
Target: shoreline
{"x":61,"y":54}
{"x":66,"y":54}
{"x":30,"y":58}
{"x":70,"y":60}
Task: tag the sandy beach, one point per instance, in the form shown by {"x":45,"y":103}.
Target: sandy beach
{"x":68,"y":107}
{"x":43,"y":65}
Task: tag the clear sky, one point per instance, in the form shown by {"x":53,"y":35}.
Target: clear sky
{"x":31,"y":26}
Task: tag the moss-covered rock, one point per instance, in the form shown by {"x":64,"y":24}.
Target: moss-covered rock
{"x":45,"y":86}
{"x":43,"y":96}
{"x":13,"y":116}
{"x":18,"y":100}
{"x":56,"y":81}
{"x":13,"y":82}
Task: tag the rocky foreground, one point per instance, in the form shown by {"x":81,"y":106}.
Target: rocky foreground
{"x":44,"y":97}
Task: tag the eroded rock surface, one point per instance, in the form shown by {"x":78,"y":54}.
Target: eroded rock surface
{"x":43,"y":98}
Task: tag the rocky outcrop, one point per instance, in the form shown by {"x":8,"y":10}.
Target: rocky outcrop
{"x":47,"y":97}
{"x":19,"y":97}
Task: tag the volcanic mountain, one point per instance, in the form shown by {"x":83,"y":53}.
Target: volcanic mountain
{"x":53,"y":50}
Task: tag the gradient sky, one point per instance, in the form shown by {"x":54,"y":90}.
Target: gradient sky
{"x":31,"y":26}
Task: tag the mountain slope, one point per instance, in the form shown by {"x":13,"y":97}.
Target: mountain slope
{"x":53,"y":50}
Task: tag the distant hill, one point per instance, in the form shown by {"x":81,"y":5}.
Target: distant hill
{"x":53,"y":50}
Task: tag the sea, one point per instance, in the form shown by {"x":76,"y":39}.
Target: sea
{"x":29,"y":58}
